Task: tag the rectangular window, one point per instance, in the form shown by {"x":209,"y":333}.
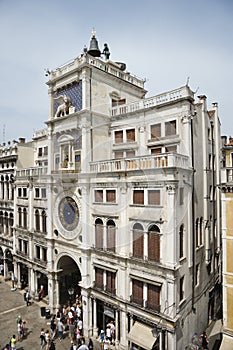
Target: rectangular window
{"x":57,"y":160}
{"x":37,"y":192}
{"x":19,"y":192}
{"x":119,"y":136}
{"x":39,"y":151}
{"x":77,"y":159}
{"x":171,"y":149}
{"x":20,"y":245}
{"x":170,"y":128}
{"x":99,"y":196}
{"x":118,"y":102}
{"x":137,"y":296}
{"x":24,"y":192}
{"x":37,"y":252}
{"x":45,"y":150}
{"x":154,"y":197}
{"x":44,"y":254}
{"x":138,"y":197}
{"x":130,"y":135}
{"x":25,"y":247}
{"x":130,"y":154}
{"x":157,"y":150}
{"x":99,"y":278}
{"x":110,"y":282}
{"x":155,"y":131}
{"x":119,"y":154}
{"x":181,"y":288}
{"x":111,"y":196}
{"x":43,"y":192}
{"x":153,"y":297}
{"x":181,"y":242}
{"x":197,"y":275}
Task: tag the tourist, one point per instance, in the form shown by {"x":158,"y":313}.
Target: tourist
{"x":13,"y":342}
{"x":42,"y":338}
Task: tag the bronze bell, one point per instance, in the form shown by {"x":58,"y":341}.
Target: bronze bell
{"x":94,"y":48}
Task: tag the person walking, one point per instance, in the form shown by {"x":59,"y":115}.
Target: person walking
{"x":27,"y":298}
{"x":204,"y":341}
{"x":90,"y":344}
{"x":13,"y":342}
{"x":42,"y":338}
{"x":24,"y":328}
{"x":47,"y":339}
{"x":19,"y":331}
{"x":53,"y":326}
{"x":60,"y":328}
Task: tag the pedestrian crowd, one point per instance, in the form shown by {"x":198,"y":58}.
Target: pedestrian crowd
{"x":66,"y":320}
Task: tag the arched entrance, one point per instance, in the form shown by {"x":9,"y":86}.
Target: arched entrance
{"x":69,"y":277}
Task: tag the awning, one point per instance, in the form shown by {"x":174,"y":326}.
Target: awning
{"x":141,"y":335}
{"x":227,"y":343}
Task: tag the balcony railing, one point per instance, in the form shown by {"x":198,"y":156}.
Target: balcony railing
{"x":170,"y":96}
{"x":107,"y":66}
{"x":37,"y":171}
{"x":165,"y":160}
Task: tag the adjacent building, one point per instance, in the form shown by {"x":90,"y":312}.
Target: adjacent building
{"x":120,"y":205}
{"x":227,"y":234}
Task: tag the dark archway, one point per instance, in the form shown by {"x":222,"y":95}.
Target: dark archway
{"x":69,"y":277}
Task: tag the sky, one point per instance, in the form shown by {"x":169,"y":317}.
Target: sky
{"x":166,"y":42}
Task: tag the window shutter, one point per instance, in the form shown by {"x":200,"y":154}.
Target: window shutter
{"x":111,"y":237}
{"x":138,"y":292}
{"x":99,"y":236}
{"x":99,"y":278}
{"x":153,"y":297}
{"x":138,"y":243}
{"x":154,"y":246}
{"x":138,"y":197}
{"x":155,"y":131}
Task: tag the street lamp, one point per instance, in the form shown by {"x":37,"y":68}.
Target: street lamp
{"x":71,"y":292}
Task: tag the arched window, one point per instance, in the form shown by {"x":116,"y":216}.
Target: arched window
{"x":25,"y":218}
{"x":111,"y":235}
{"x":154,"y":243}
{"x":99,"y":233}
{"x":138,"y":241}
{"x":37,"y":220}
{"x":44,"y":221}
{"x":181,"y":241}
{"x":20,"y":217}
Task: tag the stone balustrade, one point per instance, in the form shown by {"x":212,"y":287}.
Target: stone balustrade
{"x":165,"y":160}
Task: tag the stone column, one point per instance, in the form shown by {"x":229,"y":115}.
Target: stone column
{"x":95,"y":328}
{"x":116,"y":328}
{"x":171,"y":226}
{"x":124,"y":330}
{"x":84,"y":294}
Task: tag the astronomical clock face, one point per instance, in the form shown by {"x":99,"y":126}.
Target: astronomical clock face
{"x":68,"y":212}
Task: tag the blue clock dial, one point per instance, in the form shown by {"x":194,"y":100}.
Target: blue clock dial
{"x":68,"y":213}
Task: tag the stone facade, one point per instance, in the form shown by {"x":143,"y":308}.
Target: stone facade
{"x":227,"y":224}
{"x":122,"y":206}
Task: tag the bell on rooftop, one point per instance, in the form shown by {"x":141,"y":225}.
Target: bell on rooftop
{"x":94,"y":48}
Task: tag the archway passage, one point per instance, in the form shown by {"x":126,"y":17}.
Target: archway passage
{"x":69,"y":277}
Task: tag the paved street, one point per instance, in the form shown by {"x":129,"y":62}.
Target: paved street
{"x":12,"y":304}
